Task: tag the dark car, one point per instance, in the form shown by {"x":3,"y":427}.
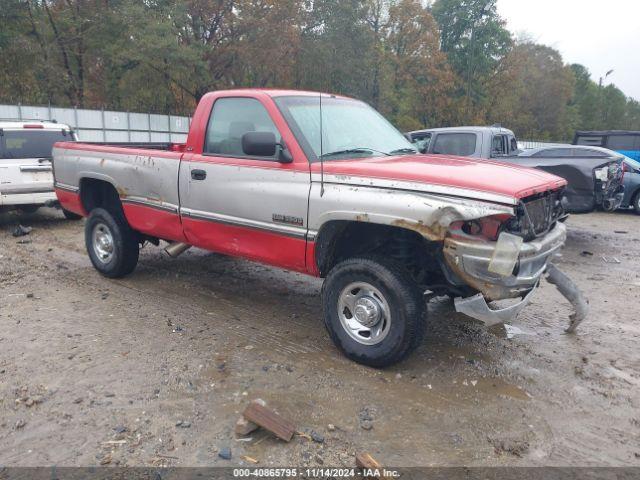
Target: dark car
{"x":595,"y":174}
{"x":631,"y":185}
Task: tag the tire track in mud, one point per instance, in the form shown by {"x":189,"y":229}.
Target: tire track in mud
{"x":244,"y":317}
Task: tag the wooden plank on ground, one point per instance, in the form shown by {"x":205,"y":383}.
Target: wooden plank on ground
{"x":365,"y":460}
{"x":270,"y":420}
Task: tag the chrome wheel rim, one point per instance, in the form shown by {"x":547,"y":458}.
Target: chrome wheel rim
{"x":102,"y":240}
{"x":364,"y":313}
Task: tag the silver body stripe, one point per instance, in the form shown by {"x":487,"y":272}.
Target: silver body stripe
{"x":290,"y":231}
{"x":151,"y":203}
{"x":68,"y":188}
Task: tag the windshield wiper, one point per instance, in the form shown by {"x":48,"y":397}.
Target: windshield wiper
{"x":406,"y":150}
{"x":354,"y":150}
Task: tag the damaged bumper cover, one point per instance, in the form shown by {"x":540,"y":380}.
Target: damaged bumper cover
{"x":469,"y":263}
{"x":477,"y":307}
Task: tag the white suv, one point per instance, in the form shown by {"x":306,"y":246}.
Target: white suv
{"x":26,"y":179}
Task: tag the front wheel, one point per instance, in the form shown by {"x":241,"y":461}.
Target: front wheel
{"x":112,"y":244}
{"x":373,"y":310}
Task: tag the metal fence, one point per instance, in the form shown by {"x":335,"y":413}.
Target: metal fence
{"x":107,"y":125}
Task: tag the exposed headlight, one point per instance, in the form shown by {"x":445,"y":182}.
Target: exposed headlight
{"x":602,"y":174}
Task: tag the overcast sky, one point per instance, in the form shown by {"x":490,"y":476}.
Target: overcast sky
{"x":601,"y":35}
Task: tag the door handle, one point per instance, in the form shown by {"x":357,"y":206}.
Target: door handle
{"x":198,"y":174}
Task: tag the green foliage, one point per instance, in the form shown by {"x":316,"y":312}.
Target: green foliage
{"x":446,"y":64}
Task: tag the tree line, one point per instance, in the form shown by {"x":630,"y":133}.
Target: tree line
{"x":446,"y":63}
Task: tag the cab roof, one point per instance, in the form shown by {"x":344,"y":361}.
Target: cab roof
{"x":468,"y":129}
{"x":279,"y":92}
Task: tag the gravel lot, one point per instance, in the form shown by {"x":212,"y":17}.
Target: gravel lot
{"x":156,"y":368}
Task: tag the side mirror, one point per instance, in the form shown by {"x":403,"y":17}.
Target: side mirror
{"x":259,"y":144}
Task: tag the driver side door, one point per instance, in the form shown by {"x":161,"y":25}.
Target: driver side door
{"x":241,"y":205}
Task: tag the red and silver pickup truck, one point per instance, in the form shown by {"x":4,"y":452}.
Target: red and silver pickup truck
{"x":324,"y":185}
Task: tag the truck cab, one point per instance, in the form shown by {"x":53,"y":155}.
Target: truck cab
{"x":475,"y":142}
{"x":26,"y":179}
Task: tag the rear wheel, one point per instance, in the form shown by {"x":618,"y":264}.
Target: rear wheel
{"x":373,"y":310}
{"x":112,"y":244}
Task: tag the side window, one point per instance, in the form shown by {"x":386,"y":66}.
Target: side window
{"x":594,"y":141}
{"x":461,"y":144}
{"x":230,"y":119}
{"x":514,"y":145}
{"x":624,"y":142}
{"x":498,"y":145}
{"x":421,"y":141}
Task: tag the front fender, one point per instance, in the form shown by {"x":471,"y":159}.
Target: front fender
{"x":428,"y":214}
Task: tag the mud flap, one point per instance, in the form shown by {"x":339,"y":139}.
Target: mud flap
{"x":571,"y":292}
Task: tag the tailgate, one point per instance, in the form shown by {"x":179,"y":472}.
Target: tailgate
{"x":25,"y":175}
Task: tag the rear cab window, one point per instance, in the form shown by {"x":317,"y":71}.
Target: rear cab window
{"x":498,"y":145}
{"x":30,"y":143}
{"x":459,"y":144}
{"x":230,"y":119}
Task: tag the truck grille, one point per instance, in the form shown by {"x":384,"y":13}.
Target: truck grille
{"x":537,"y":215}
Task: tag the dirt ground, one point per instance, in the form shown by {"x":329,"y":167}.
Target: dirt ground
{"x":156,"y":368}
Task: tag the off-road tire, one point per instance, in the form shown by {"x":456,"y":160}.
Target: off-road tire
{"x":126,"y":247}
{"x":70,"y":215}
{"x":406,"y":305}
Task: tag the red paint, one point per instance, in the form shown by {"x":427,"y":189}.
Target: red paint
{"x":152,"y":221}
{"x":312,"y":265}
{"x":262,"y":246}
{"x":70,"y":201}
{"x":480,"y":175}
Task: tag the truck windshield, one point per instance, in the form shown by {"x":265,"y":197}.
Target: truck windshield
{"x":349,"y":128}
{"x":34,"y":143}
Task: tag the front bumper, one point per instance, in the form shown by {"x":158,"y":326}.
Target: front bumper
{"x":477,"y":307}
{"x":468,"y":263}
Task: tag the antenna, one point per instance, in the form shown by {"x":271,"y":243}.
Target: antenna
{"x":321,"y":152}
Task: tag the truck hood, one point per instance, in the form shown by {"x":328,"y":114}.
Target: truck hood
{"x":443,"y":174}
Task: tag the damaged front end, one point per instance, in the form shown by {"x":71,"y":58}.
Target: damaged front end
{"x":609,"y":186}
{"x":504,"y":257}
